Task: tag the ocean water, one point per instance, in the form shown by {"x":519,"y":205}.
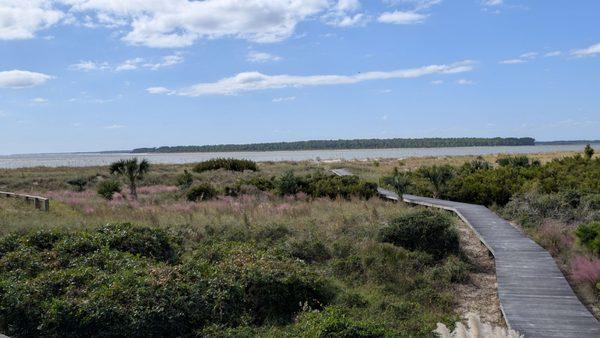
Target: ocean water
{"x":97,"y":159}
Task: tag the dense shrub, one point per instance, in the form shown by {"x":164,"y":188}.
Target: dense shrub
{"x":589,"y":236}
{"x":400,"y":182}
{"x":185,"y":180}
{"x":515,"y":161}
{"x":78,"y":184}
{"x":108,"y":188}
{"x":230,"y":164}
{"x":438,"y":177}
{"x":122,"y":281}
{"x":201,"y":192}
{"x":332,"y":322}
{"x":486,"y":187}
{"x":427,"y":231}
{"x":309,"y":250}
{"x":321,"y":185}
{"x":287,"y":184}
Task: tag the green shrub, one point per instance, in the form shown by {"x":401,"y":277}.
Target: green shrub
{"x":185,"y":180}
{"x":108,"y":188}
{"x":201,"y":192}
{"x":230,"y":164}
{"x":400,"y":182}
{"x":287,"y":184}
{"x":308,"y":250}
{"x":78,"y":184}
{"x":589,"y":236}
{"x":144,"y":241}
{"x":332,"y":322}
{"x":514,"y":161}
{"x":123,"y":281}
{"x":427,"y":231}
{"x":274,"y":286}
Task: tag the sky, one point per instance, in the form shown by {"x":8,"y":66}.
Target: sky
{"x":91,"y":75}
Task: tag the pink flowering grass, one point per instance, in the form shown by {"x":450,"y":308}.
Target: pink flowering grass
{"x":585,"y":270}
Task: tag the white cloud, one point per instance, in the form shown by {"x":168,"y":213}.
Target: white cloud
{"x":253,"y":81}
{"x":464,"y":82}
{"x":512,"y":61}
{"x":115,"y":126}
{"x":88,"y":66}
{"x":529,"y":55}
{"x":590,"y":51}
{"x":343,"y":14}
{"x":130,"y":64}
{"x":17,"y":79}
{"x":437,"y":82}
{"x":284,"y":99}
{"x":254,"y":56}
{"x":159,"y":90}
{"x":179,"y":23}
{"x":39,"y":100}
{"x":167,"y":61}
{"x":21,"y":19}
{"x":166,"y":23}
{"x":493,"y":2}
{"x":553,"y":53}
{"x":401,"y":18}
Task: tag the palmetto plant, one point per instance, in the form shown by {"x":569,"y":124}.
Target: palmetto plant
{"x":132,"y":170}
{"x":438,"y":176}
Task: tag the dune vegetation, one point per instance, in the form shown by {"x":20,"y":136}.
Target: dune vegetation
{"x":284,"y":250}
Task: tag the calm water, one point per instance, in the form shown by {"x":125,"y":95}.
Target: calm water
{"x":94,"y":159}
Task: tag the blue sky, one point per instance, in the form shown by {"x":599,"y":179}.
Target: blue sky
{"x":87,"y":75}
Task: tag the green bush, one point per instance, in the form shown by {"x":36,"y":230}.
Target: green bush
{"x":108,"y":188}
{"x":78,"y":184}
{"x":332,"y":322}
{"x":144,"y":241}
{"x":400,"y":182}
{"x":287,"y":184}
{"x":308,"y":250}
{"x":201,"y":192}
{"x":589,"y":236}
{"x":514,"y":161}
{"x":427,"y":231}
{"x":185,"y":180}
{"x":274,"y":286}
{"x":123,"y":281}
{"x":230,"y":164}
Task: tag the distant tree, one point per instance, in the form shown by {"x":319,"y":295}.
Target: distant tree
{"x":588,"y":151}
{"x":132,"y":170}
{"x":438,"y":176}
{"x":78,"y":184}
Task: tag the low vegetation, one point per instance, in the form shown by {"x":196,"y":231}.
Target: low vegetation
{"x":557,"y":202}
{"x":230,"y":164}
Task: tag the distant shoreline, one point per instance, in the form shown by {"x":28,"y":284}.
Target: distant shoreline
{"x":352,"y":144}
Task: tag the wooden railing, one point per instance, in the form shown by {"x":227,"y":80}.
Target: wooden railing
{"x":38,"y":202}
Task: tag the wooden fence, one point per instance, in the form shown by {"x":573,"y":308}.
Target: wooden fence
{"x":38,"y":202}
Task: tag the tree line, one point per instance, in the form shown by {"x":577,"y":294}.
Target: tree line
{"x":349,"y":144}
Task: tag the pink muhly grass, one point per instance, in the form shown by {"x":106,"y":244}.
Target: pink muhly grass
{"x":585,"y":270}
{"x":156,"y":189}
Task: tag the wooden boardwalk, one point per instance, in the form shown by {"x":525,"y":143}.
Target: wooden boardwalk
{"x":535,"y":297}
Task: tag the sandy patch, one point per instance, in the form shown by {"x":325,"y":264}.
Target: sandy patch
{"x":480,"y":294}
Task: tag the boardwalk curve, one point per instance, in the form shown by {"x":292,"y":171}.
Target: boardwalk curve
{"x":535,"y":297}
